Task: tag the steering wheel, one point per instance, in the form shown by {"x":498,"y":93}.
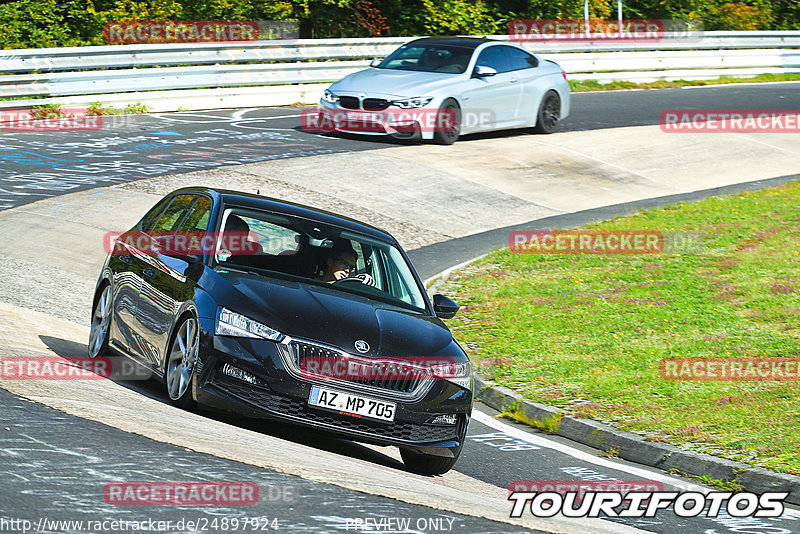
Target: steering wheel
{"x":363,"y":278}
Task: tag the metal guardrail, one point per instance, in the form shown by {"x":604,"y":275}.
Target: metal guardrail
{"x":116,"y":70}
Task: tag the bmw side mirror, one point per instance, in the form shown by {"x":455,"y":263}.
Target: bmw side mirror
{"x":375,"y":62}
{"x":482,"y":71}
{"x":444,"y":307}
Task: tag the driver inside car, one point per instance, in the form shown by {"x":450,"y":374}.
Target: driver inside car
{"x":340,"y":262}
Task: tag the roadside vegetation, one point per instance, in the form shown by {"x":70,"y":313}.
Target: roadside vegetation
{"x":583,"y":86}
{"x":586,"y":333}
{"x":51,"y":23}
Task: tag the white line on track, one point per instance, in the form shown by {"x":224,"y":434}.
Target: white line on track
{"x":220,"y":119}
{"x":641,"y":474}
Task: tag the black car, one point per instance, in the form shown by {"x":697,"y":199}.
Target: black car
{"x":274,"y":310}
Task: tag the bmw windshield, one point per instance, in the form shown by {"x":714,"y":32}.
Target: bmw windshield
{"x":429,"y":57}
{"x":308,"y":251}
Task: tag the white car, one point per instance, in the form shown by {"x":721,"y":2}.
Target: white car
{"x":440,"y":88}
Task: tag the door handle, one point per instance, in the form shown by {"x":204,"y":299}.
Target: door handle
{"x":150,"y":273}
{"x":513,"y":80}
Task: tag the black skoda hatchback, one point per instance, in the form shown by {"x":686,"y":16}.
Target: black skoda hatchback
{"x":269,"y":309}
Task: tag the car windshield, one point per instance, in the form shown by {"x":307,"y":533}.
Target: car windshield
{"x":429,"y":57}
{"x":267,"y":244}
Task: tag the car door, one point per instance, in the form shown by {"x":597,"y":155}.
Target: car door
{"x":144,"y":261}
{"x":169,"y":280}
{"x":491,"y":102}
{"x":525,"y":67}
{"x":127,"y":277}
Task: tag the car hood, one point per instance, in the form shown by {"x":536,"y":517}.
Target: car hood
{"x":335,"y":317}
{"x":393,"y":82}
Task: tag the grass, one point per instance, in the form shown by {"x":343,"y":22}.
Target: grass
{"x":586,"y":333}
{"x":582,"y":86}
{"x":98,"y":108}
{"x":548,"y":425}
{"x":721,"y":485}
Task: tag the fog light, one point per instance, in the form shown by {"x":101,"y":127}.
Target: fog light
{"x":448,"y":419}
{"x":239,"y":374}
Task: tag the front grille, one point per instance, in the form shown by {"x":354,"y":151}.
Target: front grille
{"x":311,"y":360}
{"x":349,"y":102}
{"x":406,"y":432}
{"x":375,"y":104}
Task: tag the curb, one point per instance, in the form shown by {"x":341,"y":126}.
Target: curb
{"x":635,"y":448}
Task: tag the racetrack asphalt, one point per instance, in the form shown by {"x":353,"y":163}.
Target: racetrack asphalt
{"x":496,"y":453}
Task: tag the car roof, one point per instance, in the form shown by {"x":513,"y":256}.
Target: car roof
{"x":253,"y":201}
{"x":466,"y":42}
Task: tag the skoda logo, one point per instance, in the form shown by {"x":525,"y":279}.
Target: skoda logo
{"x":362,"y":346}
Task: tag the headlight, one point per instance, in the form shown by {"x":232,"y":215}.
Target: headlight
{"x":459,"y":373}
{"x":234,"y":324}
{"x":409,"y":103}
{"x":329,"y":97}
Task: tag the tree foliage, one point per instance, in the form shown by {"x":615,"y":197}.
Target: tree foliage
{"x":48,"y":23}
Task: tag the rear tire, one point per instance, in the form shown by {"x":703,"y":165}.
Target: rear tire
{"x":549,"y":114}
{"x":448,"y":123}
{"x":101,"y":321}
{"x":180,"y":365}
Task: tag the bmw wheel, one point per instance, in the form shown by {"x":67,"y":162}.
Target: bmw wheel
{"x":549,"y":114}
{"x":181,"y":363}
{"x":448,"y":123}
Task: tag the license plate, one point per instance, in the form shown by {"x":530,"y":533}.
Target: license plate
{"x":354,"y":405}
{"x":358,"y":116}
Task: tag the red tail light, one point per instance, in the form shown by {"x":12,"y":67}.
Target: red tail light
{"x":564,"y":74}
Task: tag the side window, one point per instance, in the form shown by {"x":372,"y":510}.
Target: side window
{"x":150,"y":217}
{"x":174,"y":214}
{"x":494,"y":57}
{"x":197,"y":220}
{"x":520,"y":59}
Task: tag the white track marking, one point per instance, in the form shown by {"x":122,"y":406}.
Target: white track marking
{"x":238,"y":114}
{"x":641,"y":474}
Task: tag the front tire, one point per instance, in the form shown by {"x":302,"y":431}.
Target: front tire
{"x":181,"y":360}
{"x":425,"y":464}
{"x":549,"y":114}
{"x":101,"y":319}
{"x":448,"y":123}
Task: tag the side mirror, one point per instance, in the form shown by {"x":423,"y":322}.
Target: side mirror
{"x":482,"y":71}
{"x":375,"y":62}
{"x":444,"y":307}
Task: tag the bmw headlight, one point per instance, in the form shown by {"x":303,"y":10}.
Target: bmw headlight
{"x":459,"y":373}
{"x":234,"y":324}
{"x":410,"y":103}
{"x":329,"y":97}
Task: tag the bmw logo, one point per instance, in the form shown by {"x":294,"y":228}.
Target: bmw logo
{"x":362,"y":346}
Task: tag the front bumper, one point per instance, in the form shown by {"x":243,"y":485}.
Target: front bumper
{"x":281,"y":395}
{"x":398,"y":123}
